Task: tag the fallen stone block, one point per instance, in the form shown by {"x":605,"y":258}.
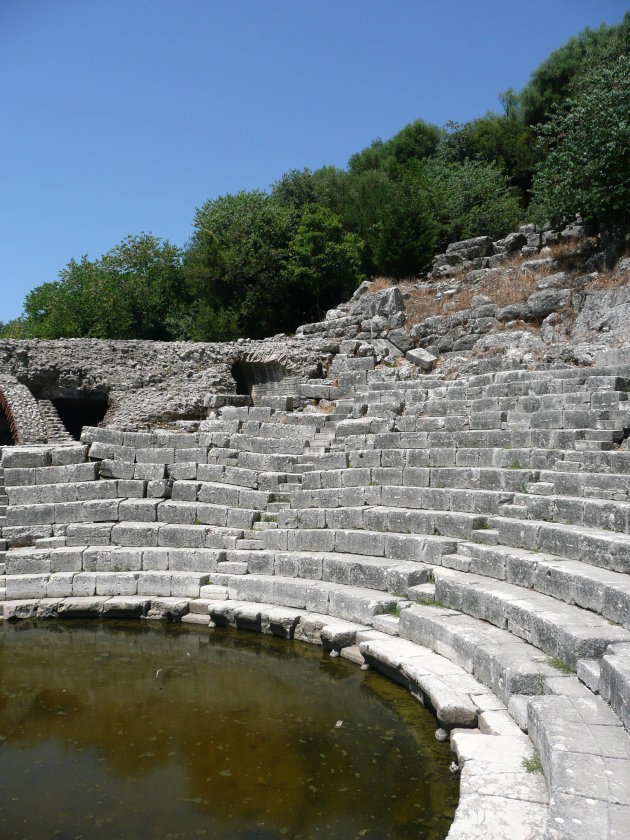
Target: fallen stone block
{"x":421,"y":358}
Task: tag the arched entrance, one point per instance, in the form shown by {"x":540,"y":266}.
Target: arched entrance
{"x":20,"y":420}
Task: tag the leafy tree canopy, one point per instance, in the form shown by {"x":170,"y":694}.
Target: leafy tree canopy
{"x":260,"y":263}
{"x":585,"y":166}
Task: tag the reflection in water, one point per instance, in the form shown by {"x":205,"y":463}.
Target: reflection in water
{"x":115,"y":731}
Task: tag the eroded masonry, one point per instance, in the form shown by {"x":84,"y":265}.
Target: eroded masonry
{"x":434,"y":482}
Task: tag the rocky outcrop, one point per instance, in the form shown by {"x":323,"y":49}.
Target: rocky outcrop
{"x":485,"y":306}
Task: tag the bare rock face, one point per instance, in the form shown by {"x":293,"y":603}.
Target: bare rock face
{"x":541,"y":303}
{"x":384,"y":303}
{"x":605,"y":311}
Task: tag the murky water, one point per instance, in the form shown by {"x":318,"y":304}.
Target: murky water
{"x":126,"y":731}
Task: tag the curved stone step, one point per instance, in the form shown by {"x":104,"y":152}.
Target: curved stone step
{"x":347,"y":602}
{"x":123,"y":606}
{"x":599,"y":590}
{"x":605,"y":549}
{"x":575,"y":732}
{"x":564,"y":632}
{"x":37,"y":494}
{"x":394,"y":546}
{"x":87,"y":584}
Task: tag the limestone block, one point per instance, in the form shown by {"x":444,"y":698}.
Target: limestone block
{"x":116,"y":583}
{"x":241,"y":518}
{"x":308,"y":629}
{"x":81,"y":534}
{"x":177,"y":513}
{"x":259,"y":562}
{"x":181,"y":536}
{"x":21,"y":587}
{"x":155,"y":559}
{"x":23,"y":515}
{"x":186,"y":470}
{"x":27,"y":562}
{"x":388,"y":624}
{"x":280,"y":621}
{"x":217,"y":494}
{"x":301,"y":540}
{"x":194,"y":559}
{"x":232,"y":567}
{"x":159,"y":455}
{"x":614,"y":681}
{"x":66,"y":559}
{"x":130,"y":489}
{"x":62,"y":456}
{"x":154,"y":583}
{"x":160,"y":489}
{"x":361,"y":573}
{"x":125,"y":606}
{"x":84,"y":585}
{"x":81,"y":607}
{"x":115,"y":469}
{"x":85,"y":491}
{"x":171,"y":609}
{"x":149,"y":471}
{"x":141,"y":534}
{"x":187,"y":583}
{"x":138,"y":510}
{"x":16,"y":535}
{"x":359,"y":542}
{"x":18,"y":457}
{"x":251,"y":588}
{"x":248,"y":617}
{"x":59,"y":585}
{"x":19,"y":610}
{"x":359,"y":605}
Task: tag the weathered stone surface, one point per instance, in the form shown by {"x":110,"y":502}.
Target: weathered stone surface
{"x":422,"y":358}
{"x":541,"y":303}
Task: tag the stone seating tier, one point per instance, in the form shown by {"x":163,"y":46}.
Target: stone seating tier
{"x":483,"y":519}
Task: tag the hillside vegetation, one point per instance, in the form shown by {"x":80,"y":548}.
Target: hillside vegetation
{"x":260,"y":263}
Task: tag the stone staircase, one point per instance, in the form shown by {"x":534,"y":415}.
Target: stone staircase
{"x":56,"y":432}
{"x":470,"y":538}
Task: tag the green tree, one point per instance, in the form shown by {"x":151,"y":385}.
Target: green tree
{"x":586,"y":163}
{"x":127,"y":293}
{"x":415,"y":142}
{"x":501,"y":139}
{"x":553,"y":80}
{"x":237,"y":257}
{"x":324,"y":263}
{"x":471,"y":198}
{"x":295,"y":189}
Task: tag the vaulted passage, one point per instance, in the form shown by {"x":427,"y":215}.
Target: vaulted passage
{"x":249,"y":374}
{"x":258,"y":379}
{"x":77,"y":413}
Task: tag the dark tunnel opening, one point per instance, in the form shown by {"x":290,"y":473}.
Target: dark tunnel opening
{"x":77,"y":413}
{"x":248,"y":374}
{"x":6,"y":438}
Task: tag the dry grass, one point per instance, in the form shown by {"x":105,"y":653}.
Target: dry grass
{"x":421,"y":304}
{"x":381,"y":283}
{"x":607,"y":280}
{"x":510,"y":288}
{"x":325,"y":407}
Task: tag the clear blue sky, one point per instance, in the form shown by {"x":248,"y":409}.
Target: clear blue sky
{"x":122,"y":116}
